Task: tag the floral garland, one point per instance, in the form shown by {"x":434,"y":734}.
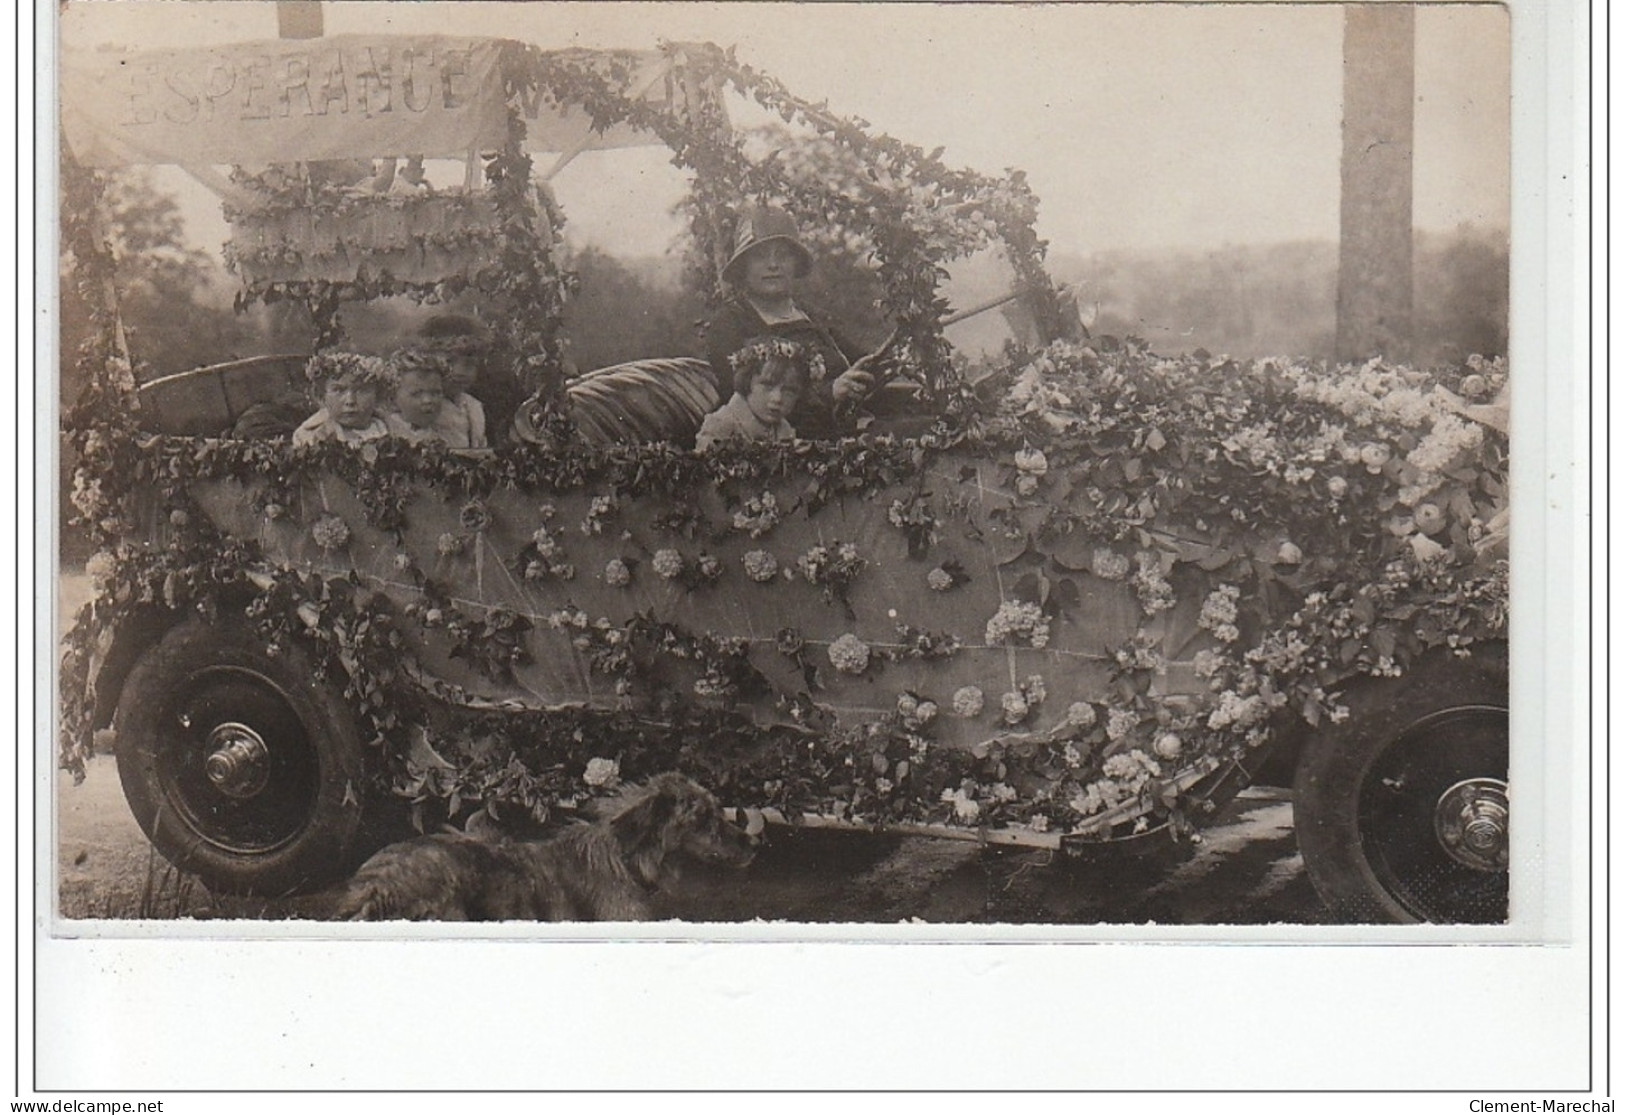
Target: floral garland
{"x":915,"y":212}
{"x":1333,"y":525}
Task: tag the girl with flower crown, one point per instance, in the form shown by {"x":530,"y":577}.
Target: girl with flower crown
{"x":348,"y":386}
{"x":770,"y":376}
{"x":768,"y":257}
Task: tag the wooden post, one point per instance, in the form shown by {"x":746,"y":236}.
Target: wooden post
{"x":299,"y":19}
{"x":1374,"y":281}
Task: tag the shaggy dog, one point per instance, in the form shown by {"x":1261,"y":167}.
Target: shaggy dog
{"x":609,"y":870}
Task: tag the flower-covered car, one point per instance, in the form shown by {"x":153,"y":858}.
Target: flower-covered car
{"x":1078,"y":595}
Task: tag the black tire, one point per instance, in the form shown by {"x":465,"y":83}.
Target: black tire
{"x":1401,"y":811}
{"x":238,"y":765}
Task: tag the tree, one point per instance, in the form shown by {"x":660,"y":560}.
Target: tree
{"x":174,"y":299}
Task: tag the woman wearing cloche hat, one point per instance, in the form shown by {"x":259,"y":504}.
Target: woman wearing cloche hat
{"x":768,"y":257}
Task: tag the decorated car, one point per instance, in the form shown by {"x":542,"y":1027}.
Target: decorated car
{"x":1075,"y":594}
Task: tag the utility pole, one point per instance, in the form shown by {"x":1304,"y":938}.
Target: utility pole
{"x":1374,"y":280}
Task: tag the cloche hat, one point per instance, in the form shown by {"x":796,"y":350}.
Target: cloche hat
{"x":759,"y":224}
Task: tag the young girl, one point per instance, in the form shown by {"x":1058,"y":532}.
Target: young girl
{"x":770,"y":375}
{"x":422,"y":411}
{"x":347,"y":385}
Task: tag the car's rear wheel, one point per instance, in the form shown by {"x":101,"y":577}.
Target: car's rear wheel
{"x":240,"y":767}
{"x":1402,"y":812}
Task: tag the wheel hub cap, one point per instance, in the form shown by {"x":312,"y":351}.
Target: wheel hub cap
{"x":239,"y":764}
{"x":1471,"y":821}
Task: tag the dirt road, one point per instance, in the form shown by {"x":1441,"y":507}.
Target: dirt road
{"x":1246,"y":871}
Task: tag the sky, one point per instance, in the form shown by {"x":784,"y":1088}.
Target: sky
{"x":1141,"y":126}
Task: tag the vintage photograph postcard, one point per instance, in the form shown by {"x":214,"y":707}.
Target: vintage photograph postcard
{"x":811,"y":545}
{"x":557,"y":463}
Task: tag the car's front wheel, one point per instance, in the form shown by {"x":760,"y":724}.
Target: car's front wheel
{"x":240,"y":767}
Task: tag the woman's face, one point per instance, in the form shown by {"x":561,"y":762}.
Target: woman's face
{"x":351,"y":401}
{"x":772,"y":402}
{"x":419,"y":398}
{"x":769,"y":269}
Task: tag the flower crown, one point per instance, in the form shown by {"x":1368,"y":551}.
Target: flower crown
{"x":456,"y":344}
{"x":755,"y":355}
{"x":418,"y":358}
{"x":326,"y":366}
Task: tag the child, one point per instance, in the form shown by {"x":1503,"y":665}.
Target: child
{"x":770,"y":374}
{"x":347,"y":385}
{"x":422,"y":411}
{"x":461,"y":342}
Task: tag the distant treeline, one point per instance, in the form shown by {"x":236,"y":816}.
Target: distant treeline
{"x":1244,"y":301}
{"x":1281,"y":299}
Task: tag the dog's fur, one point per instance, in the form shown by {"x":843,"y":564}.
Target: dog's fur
{"x":609,"y":870}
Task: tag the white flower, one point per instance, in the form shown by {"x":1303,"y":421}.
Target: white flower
{"x":1150,"y":585}
{"x":1130,"y":765}
{"x":1038,"y":822}
{"x":849,"y":654}
{"x":1338,"y":487}
{"x":1288,"y":554}
{"x":1017,"y":621}
{"x":1168,"y":746}
{"x":940,"y":580}
{"x":1026,"y":484}
{"x":1219,"y":609}
{"x":966,"y":808}
{"x":330,"y":532}
{"x":602,"y":772}
{"x":761,"y":566}
{"x":1015,"y":707}
{"x":616,"y":573}
{"x":1032,"y":461}
{"x":1091,"y":800}
{"x":1108,"y":566}
{"x":759,"y":515}
{"x":1426,"y":549}
{"x":668,"y":563}
{"x":1081,"y":714}
{"x":968,"y":701}
{"x":925,"y":712}
{"x":546,"y":545}
{"x":1120,"y":722}
{"x":100,"y":567}
{"x":1206,"y":663}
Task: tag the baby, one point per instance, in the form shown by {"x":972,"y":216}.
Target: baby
{"x":347,"y":385}
{"x":770,"y":374}
{"x":422,"y":411}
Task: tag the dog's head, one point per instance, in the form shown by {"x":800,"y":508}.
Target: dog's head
{"x":672,"y":818}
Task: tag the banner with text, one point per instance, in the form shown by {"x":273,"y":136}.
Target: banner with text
{"x":301,"y":100}
{"x":350,"y":96}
